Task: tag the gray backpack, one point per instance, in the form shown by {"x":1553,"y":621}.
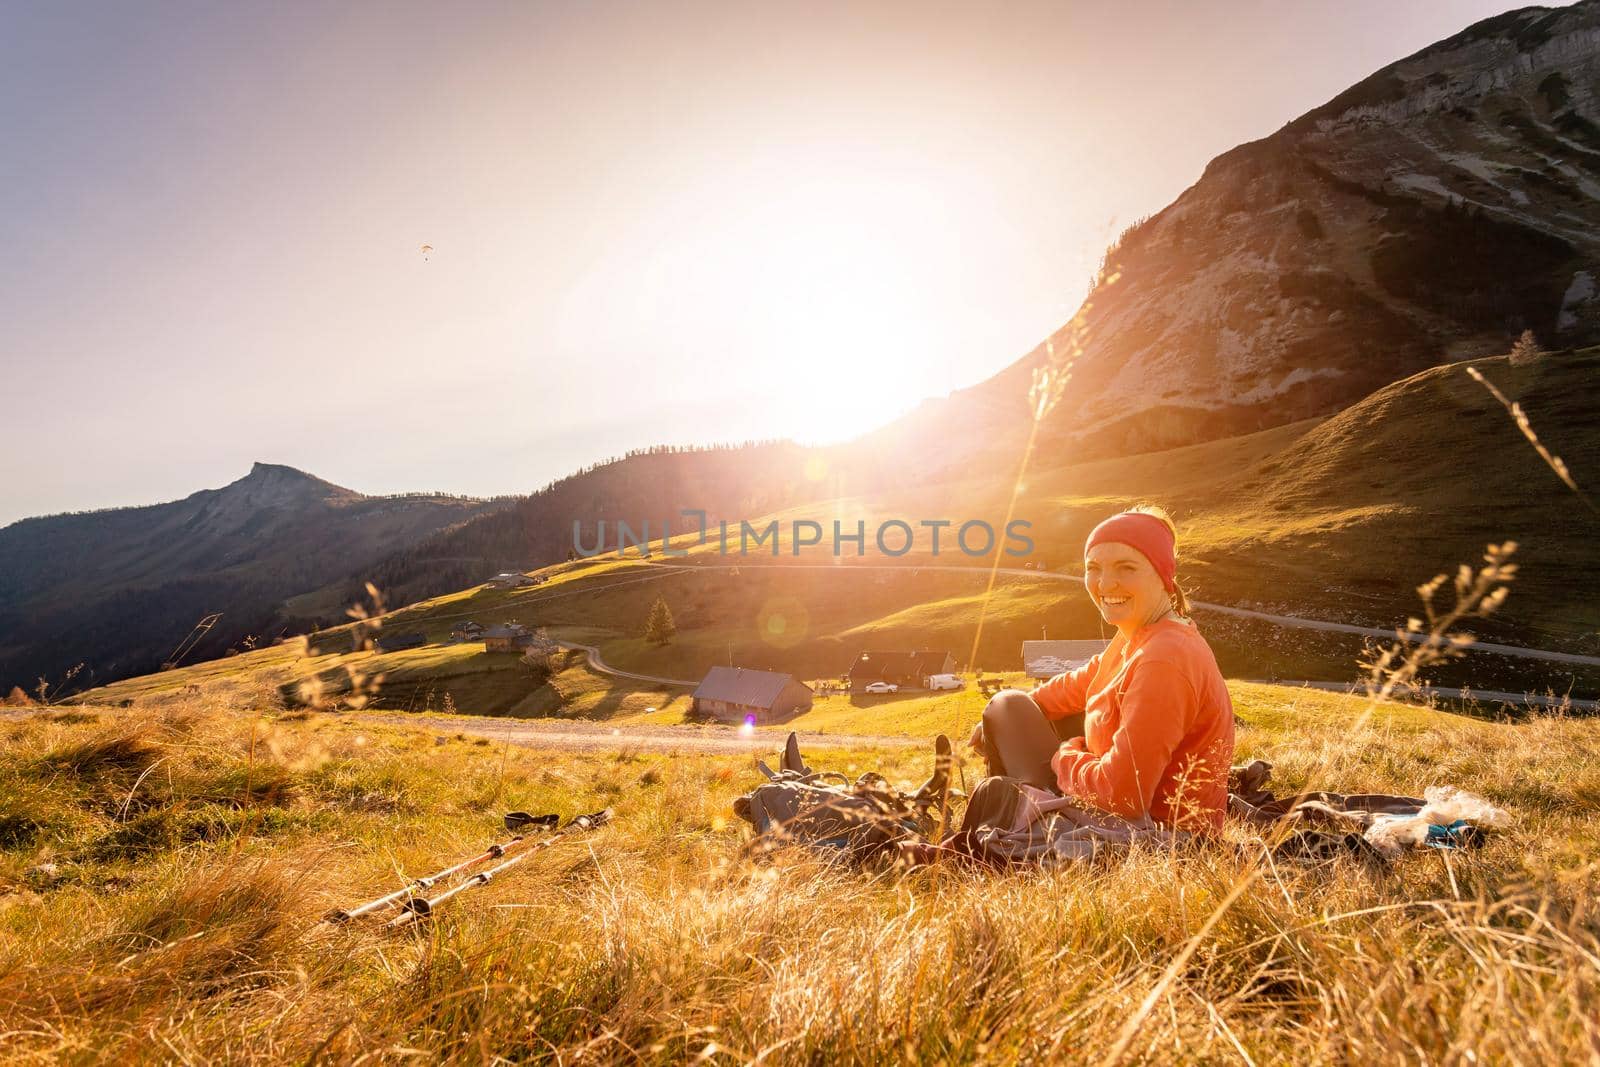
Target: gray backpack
{"x":854,"y":822}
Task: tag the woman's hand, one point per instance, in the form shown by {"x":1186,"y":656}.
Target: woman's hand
{"x":975,"y":742}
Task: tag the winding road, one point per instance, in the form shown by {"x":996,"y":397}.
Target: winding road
{"x":1295,"y":621}
{"x":600,"y":666}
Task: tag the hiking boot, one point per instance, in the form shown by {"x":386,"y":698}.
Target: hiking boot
{"x":934,"y":789}
{"x":592,"y":821}
{"x":791,"y":755}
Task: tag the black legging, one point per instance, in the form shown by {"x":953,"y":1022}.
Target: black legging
{"x":1018,"y":741}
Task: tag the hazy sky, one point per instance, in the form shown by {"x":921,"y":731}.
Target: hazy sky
{"x":651,"y":222}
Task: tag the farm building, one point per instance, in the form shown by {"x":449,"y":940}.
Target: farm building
{"x":466,"y":631}
{"x":1046,"y":659}
{"x":735,"y":694}
{"x":510,"y":580}
{"x":909,"y":669}
{"x":508,"y":637}
{"x":397,"y":642}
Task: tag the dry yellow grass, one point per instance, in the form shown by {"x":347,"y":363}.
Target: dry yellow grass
{"x":163,"y":874}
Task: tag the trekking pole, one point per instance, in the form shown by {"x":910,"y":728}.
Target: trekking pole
{"x":418,"y":908}
{"x":540,"y":822}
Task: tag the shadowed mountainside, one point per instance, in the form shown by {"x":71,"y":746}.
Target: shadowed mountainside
{"x":116,"y":590}
{"x":1428,"y":214}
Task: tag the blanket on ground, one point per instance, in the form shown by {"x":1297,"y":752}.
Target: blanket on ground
{"x":1008,"y":823}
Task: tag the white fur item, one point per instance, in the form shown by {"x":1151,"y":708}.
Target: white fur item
{"x":1394,"y":835}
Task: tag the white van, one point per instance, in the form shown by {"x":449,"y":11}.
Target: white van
{"x":943,"y":681}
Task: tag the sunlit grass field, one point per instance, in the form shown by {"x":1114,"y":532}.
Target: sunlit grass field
{"x":163,"y":871}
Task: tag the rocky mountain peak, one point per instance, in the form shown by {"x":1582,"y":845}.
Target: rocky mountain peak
{"x":1426,"y":215}
{"x":277,"y":485}
{"x":1528,"y":47}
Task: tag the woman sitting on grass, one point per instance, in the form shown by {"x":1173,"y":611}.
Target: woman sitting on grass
{"x":1146,"y":727}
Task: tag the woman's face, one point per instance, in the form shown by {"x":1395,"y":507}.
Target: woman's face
{"x":1123,"y":585}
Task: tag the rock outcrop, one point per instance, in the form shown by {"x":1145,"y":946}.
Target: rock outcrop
{"x":1431,"y":213}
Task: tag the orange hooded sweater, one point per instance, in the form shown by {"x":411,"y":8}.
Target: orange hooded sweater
{"x":1158,"y":729}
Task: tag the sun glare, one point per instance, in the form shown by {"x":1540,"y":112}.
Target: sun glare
{"x":807,"y":275}
{"x":850,"y":332}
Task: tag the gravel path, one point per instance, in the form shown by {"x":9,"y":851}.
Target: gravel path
{"x":580,"y":736}
{"x":576,"y":736}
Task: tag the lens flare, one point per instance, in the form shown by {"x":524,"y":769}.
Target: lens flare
{"x":783,"y":622}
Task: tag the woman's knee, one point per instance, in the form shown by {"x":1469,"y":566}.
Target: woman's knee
{"x":1008,"y":704}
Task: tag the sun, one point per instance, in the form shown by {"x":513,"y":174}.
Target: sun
{"x":832,"y":280}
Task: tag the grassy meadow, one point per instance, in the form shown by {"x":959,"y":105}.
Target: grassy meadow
{"x":164,"y":867}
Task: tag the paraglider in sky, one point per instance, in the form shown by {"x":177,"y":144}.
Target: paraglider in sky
{"x":426,"y":250}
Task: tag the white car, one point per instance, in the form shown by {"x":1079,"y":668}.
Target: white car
{"x":937,"y":682}
{"x":883,"y":687}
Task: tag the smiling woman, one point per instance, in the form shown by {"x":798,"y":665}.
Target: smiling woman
{"x":1130,"y":569}
{"x":1145,"y":729}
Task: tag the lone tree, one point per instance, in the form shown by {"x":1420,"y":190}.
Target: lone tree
{"x":539,"y":665}
{"x":659,"y":628}
{"x":1526,"y":350}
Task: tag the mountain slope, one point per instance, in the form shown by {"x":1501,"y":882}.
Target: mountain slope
{"x":653,"y":486}
{"x":726,"y":482}
{"x":1428,"y":214}
{"x":117,"y":589}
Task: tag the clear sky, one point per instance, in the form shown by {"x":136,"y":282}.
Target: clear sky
{"x":653,"y":222}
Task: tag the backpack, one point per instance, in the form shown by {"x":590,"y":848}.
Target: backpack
{"x":851,"y":822}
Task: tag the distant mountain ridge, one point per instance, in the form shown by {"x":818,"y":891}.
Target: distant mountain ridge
{"x":117,"y":589}
{"x":651,"y":486}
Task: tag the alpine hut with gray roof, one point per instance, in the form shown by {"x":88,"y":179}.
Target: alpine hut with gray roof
{"x":737,"y":694}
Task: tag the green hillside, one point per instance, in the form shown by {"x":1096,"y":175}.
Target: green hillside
{"x":1338,"y":519}
{"x":1413,"y":480}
